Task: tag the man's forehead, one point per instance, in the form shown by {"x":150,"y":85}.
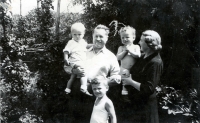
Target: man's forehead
{"x":97,"y":85}
{"x":100,"y":30}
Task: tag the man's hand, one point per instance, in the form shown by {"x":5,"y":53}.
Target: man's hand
{"x":79,"y":71}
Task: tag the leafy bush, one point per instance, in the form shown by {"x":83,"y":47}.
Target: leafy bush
{"x":19,"y":90}
{"x":176,"y":102}
{"x":30,"y":118}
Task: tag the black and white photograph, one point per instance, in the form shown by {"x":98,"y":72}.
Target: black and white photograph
{"x":100,"y":61}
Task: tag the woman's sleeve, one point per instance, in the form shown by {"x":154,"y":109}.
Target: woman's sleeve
{"x":153,"y":73}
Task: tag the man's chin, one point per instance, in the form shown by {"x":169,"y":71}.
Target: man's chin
{"x":98,"y":47}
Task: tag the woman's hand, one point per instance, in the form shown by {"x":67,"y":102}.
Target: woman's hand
{"x":127,"y":81}
{"x":130,"y":81}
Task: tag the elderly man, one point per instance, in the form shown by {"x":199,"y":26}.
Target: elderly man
{"x":100,"y":62}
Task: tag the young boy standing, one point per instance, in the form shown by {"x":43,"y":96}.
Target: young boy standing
{"x":128,"y":53}
{"x":103,"y":107}
{"x":75,"y":56}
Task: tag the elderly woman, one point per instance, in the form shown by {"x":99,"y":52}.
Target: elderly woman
{"x":145,"y":76}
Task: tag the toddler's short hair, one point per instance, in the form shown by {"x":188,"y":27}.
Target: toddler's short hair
{"x":124,"y":29}
{"x":100,"y":80}
{"x":78,"y":26}
{"x":100,"y":26}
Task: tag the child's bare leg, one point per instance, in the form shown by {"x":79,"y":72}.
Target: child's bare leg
{"x":69,"y":83}
{"x":125,"y":74}
{"x":124,"y":90}
{"x":84,"y":85}
{"x":125,"y":97}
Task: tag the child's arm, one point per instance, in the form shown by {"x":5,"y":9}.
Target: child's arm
{"x":134,"y":51}
{"x":111,"y":111}
{"x":66,"y":55}
{"x":121,"y":53}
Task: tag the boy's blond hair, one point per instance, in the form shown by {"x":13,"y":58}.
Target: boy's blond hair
{"x":100,"y":80}
{"x":78,"y":26}
{"x":124,"y":29}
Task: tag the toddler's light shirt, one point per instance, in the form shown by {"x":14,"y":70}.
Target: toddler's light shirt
{"x":103,"y":63}
{"x":77,"y":50}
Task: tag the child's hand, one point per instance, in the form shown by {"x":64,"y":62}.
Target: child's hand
{"x":114,"y":79}
{"x":67,"y":62}
{"x":126,"y":48}
{"x":134,"y":50}
{"x":130,"y":48}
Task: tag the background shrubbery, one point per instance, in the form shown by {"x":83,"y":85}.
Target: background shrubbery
{"x":32,"y":76}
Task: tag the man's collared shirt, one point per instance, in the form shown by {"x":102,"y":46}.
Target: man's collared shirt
{"x":103,"y":63}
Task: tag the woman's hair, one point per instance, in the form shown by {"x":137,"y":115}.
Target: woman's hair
{"x":153,"y":39}
{"x":124,"y":29}
{"x":100,"y":80}
{"x":100,"y":26}
{"x":78,"y":26}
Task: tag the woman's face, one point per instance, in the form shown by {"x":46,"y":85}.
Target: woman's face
{"x":143,"y":44}
{"x":99,"y":38}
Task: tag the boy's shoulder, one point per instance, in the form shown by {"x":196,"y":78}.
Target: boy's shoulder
{"x":108,"y":101}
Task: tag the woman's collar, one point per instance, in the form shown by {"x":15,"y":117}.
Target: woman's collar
{"x":150,"y":56}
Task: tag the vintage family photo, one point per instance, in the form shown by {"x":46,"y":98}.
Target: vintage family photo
{"x":100,"y":61}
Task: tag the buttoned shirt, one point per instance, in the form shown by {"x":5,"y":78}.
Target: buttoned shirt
{"x":103,"y":63}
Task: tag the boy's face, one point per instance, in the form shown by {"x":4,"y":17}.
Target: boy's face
{"x":127,"y":37}
{"x":99,"y":90}
{"x":77,"y":35}
{"x":99,"y":38}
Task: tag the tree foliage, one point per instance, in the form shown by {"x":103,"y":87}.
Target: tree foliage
{"x":176,"y":21}
{"x":16,"y":86}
